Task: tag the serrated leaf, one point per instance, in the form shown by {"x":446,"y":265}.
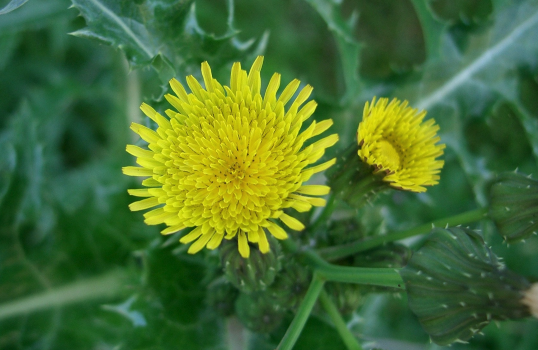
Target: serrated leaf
{"x":162,"y":33}
{"x":509,"y":43}
{"x":459,"y":85}
{"x":114,"y":23}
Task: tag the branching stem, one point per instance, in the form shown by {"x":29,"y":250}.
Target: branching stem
{"x":346,"y":335}
{"x":344,"y":250}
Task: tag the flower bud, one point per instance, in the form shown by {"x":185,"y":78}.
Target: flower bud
{"x":353,"y":180}
{"x":456,"y":286}
{"x":291,"y":285}
{"x":258,"y":312}
{"x":391,"y":255}
{"x":346,"y":296}
{"x":514,"y":206}
{"x":254,"y":273}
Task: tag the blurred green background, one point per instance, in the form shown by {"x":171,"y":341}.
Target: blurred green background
{"x":66,"y":103}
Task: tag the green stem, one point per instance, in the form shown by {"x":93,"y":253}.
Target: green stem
{"x":344,"y":250}
{"x":105,"y":286}
{"x":297,"y":325}
{"x":341,"y":327}
{"x":384,"y":277}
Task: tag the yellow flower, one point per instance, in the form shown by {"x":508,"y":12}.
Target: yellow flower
{"x":394,"y":139}
{"x":230,"y":159}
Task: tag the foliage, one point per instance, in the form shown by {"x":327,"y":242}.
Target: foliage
{"x":67,"y":103}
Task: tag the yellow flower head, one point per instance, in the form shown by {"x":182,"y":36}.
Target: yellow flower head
{"x":393,"y":139}
{"x":228,"y":160}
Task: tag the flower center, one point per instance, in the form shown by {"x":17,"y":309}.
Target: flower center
{"x":390,"y":156}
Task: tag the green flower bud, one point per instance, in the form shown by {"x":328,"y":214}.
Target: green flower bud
{"x":345,"y":231}
{"x":258,"y":312}
{"x":254,"y":273}
{"x":291,"y":285}
{"x":391,"y":255}
{"x":514,"y":206}
{"x":346,"y":296}
{"x":353,"y":180}
{"x":221,"y":296}
{"x":456,"y":286}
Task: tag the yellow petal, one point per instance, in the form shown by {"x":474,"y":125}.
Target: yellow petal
{"x":289,"y":91}
{"x":244,"y":249}
{"x":139,"y":152}
{"x":172,"y":229}
{"x":144,"y":204}
{"x":277,"y":231}
{"x":136,"y":171}
{"x":200,"y":243}
{"x":314,"y":190}
{"x":194,"y":234}
{"x":291,"y":222}
{"x":139,"y":192}
{"x":215,"y":241}
{"x":208,"y":78}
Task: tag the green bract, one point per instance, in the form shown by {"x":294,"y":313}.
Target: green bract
{"x":514,"y":206}
{"x":456,"y":286}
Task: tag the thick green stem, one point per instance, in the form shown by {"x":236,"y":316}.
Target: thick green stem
{"x":297,"y":325}
{"x":384,"y":277}
{"x":341,"y":327}
{"x":344,"y":250}
{"x":105,"y":286}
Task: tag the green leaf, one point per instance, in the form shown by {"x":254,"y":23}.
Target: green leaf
{"x":462,"y":84}
{"x":163,"y":33}
{"x":348,"y":47}
{"x":432,"y":28}
{"x":490,"y":57}
{"x":12,"y":5}
{"x":456,"y":286}
{"x":118,"y":25}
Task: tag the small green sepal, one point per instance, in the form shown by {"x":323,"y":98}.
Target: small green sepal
{"x":354,"y":181}
{"x":514,"y":206}
{"x":255,"y":273}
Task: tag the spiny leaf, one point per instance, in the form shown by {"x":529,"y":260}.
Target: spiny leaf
{"x":510,"y":42}
{"x":109,"y":22}
{"x":458,"y":84}
{"x":162,"y":33}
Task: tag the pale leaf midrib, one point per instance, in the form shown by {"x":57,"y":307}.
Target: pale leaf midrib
{"x":115,"y":18}
{"x":478,"y":64}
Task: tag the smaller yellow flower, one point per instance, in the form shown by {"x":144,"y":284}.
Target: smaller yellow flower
{"x":394,"y":139}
